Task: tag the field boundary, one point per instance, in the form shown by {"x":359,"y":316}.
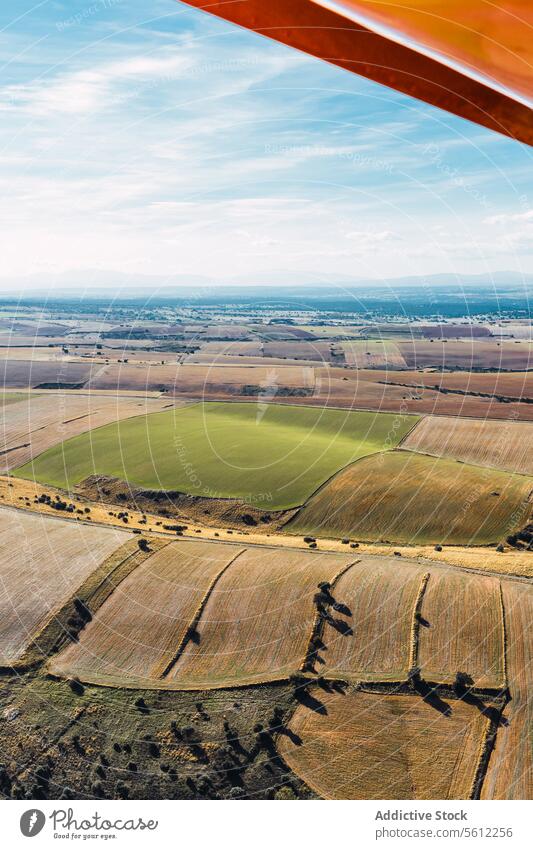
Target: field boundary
{"x":504,"y":636}
{"x":421,"y":417}
{"x":485,"y":748}
{"x":412,"y":660}
{"x":195,"y":621}
{"x":331,"y":479}
{"x":96,"y":588}
{"x":317,"y":628}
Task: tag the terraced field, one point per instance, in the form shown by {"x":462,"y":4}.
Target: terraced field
{"x":404,"y":497}
{"x":506,"y":445}
{"x":369,"y":746}
{"x":44,"y":562}
{"x":271,"y":456}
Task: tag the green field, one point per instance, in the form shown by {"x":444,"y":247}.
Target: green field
{"x":273,"y":456}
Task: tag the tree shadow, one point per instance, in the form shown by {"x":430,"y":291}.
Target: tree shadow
{"x":492,"y":713}
{"x":421,"y":621}
{"x":340,"y":626}
{"x":304,"y":697}
{"x":430,"y":696}
{"x":294,"y":738}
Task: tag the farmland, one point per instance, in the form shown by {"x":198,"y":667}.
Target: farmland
{"x":373,"y":354}
{"x":257,"y":624}
{"x":505,"y":445}
{"x":43,"y":563}
{"x":463,"y":630}
{"x":137,"y":632}
{"x":371,"y":638}
{"x":273,"y":456}
{"x":510,"y":772}
{"x":343,"y":749}
{"x":511,"y":385}
{"x":255,"y":545}
{"x":405,"y":497}
{"x":215,"y":618}
{"x":38,"y":421}
{"x":469,"y":355}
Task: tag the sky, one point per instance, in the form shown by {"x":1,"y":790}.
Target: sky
{"x":142,"y":137}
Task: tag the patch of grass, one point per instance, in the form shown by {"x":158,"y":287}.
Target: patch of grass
{"x":273,"y":456}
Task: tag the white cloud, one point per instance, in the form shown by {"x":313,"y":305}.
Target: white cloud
{"x":91,"y":89}
{"x":510,"y":218}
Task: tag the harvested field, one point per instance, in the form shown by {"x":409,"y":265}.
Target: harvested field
{"x":372,"y":641}
{"x":232,"y":360}
{"x":462,"y":629}
{"x":517,"y":385}
{"x":510,"y":772}
{"x":316,"y":351}
{"x":514,"y":329}
{"x":400,"y":496}
{"x":44,"y":562}
{"x":275,"y":332}
{"x":373,"y":354}
{"x":452,"y":331}
{"x":218,"y":351}
{"x":271,"y":456}
{"x":136,"y":633}
{"x":34,"y":425}
{"x":384,"y":391}
{"x":257,"y":622}
{"x":335,"y":331}
{"x":505,"y":445}
{"x":366,"y":746}
{"x":139,"y":376}
{"x":50,"y":374}
{"x":47,"y":353}
{"x":229,"y":380}
{"x":467,"y":354}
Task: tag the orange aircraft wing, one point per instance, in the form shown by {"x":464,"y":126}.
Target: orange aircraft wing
{"x":470,"y":57}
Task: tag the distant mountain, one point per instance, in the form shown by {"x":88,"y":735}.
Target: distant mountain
{"x":124,"y":284}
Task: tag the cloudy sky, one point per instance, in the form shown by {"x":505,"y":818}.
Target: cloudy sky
{"x":143,"y":137}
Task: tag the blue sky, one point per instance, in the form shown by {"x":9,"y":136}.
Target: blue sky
{"x":148,"y":138}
